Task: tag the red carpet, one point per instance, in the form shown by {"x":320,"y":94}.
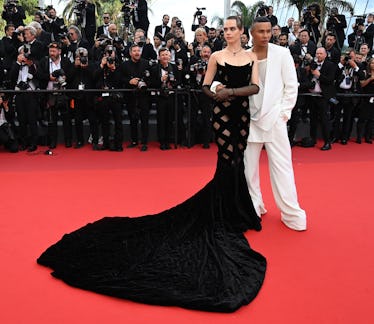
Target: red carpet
{"x":323,"y":275}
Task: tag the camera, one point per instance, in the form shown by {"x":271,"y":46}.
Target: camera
{"x":198,"y":13}
{"x":22,"y":85}
{"x":313,"y":65}
{"x":142,"y":41}
{"x":10,"y":6}
{"x":60,"y":76}
{"x":126,"y":11}
{"x":262,"y":11}
{"x":78,"y":10}
{"x":83,"y":58}
{"x":27,"y":51}
{"x":142,"y":84}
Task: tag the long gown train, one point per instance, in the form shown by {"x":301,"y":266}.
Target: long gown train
{"x":193,"y":255}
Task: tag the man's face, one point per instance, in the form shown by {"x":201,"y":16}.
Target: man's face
{"x":54,"y":53}
{"x":135,"y":54}
{"x":202,"y":20}
{"x":364,"y":49}
{"x":37,"y":18}
{"x":330,"y":41}
{"x":212,"y":34}
{"x":73,"y":36}
{"x":178,"y":32}
{"x":276,"y":31}
{"x":304,"y":37}
{"x":10,"y":31}
{"x":112,"y":29}
{"x":270,"y":12}
{"x":29,"y":37}
{"x":321,"y":54}
{"x":261,"y":34}
{"x":205,"y":53}
{"x":164,"y":57}
{"x":244,"y":39}
{"x":52,"y":13}
{"x":283,"y":40}
{"x":290,"y":22}
{"x":370,"y":19}
{"x":138,"y":36}
{"x":165,"y":20}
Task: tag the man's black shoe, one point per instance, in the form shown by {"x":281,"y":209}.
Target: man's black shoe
{"x":32,"y":148}
{"x":326,"y":147}
{"x":68,"y":143}
{"x":132,"y":145}
{"x":144,"y":148}
{"x":344,"y":142}
{"x":79,"y":145}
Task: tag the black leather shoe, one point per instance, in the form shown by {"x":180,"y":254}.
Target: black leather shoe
{"x":358,"y":141}
{"x":116,"y":149}
{"x":132,"y":145}
{"x":79,"y":145}
{"x":369,"y":141}
{"x":144,"y":148}
{"x":326,"y":147}
{"x":68,"y":143}
{"x":206,"y":146}
{"x":32,"y":148}
{"x":95,"y":147}
{"x":333,"y":140}
{"x":344,"y":142}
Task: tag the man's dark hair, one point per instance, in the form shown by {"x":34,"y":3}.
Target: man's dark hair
{"x":331,"y":34}
{"x":212,"y":29}
{"x":283,"y":34}
{"x":304,"y":31}
{"x":162,"y":49}
{"x":133,"y":46}
{"x":260,"y":19}
{"x":8,"y":26}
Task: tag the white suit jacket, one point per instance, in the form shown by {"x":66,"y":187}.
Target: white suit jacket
{"x":277,"y":97}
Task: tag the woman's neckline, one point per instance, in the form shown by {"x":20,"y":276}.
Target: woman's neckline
{"x":225,"y":63}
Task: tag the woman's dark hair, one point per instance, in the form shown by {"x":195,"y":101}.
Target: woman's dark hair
{"x":239,"y":22}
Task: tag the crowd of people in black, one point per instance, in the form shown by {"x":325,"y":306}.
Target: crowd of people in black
{"x":133,"y":73}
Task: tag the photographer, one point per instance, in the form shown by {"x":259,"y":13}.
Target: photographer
{"x":162,"y":30}
{"x":333,"y":54}
{"x":202,"y":20}
{"x":33,"y":45}
{"x":71,"y":41}
{"x":214,"y":42}
{"x":366,"y":112}
{"x":108,"y":76}
{"x":323,"y":76}
{"x":273,"y":19}
{"x":23,"y":77}
{"x":347,"y":82}
{"x":201,"y":104}
{"x":11,"y":43}
{"x":166,"y":77}
{"x":201,"y":39}
{"x":369,"y":31}
{"x":357,"y":37}
{"x":42,"y":36}
{"x":139,"y":13}
{"x":86,"y":19}
{"x":7,"y":137}
{"x":53,"y":24}
{"x":146,"y":47}
{"x":311,"y":20}
{"x":136,"y":76}
{"x":304,"y":47}
{"x":13,"y":14}
{"x":53,"y":73}
{"x":336,"y":24}
{"x":82,"y":103}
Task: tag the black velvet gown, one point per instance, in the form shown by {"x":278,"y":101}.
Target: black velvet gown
{"x":193,"y":255}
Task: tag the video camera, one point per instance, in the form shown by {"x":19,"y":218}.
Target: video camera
{"x":198,"y":13}
{"x":44,"y":11}
{"x":360,"y":19}
{"x":262,"y":11}
{"x":78,"y":10}
{"x":10,"y":6}
{"x":126,"y":11}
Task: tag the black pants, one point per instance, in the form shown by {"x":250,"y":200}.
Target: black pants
{"x":165,"y":113}
{"x":365,"y":120}
{"x":59,"y":105}
{"x":138,"y":109}
{"x":27,"y":108}
{"x":319,"y":110}
{"x":107,"y":107}
{"x":201,"y":123}
{"x":7,"y":138}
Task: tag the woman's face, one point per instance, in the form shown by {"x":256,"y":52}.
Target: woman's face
{"x":200,"y":37}
{"x":231,"y":31}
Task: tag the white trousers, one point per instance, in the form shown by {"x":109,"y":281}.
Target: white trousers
{"x":281,"y":176}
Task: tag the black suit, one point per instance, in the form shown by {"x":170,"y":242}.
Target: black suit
{"x":333,"y":26}
{"x":137,"y":101}
{"x":165,"y":102}
{"x":140,"y":16}
{"x":55,"y":27}
{"x":355,"y":40}
{"x":369,"y":33}
{"x":101,"y":31}
{"x":15,"y":18}
{"x":56,"y":103}
{"x":37,"y":50}
{"x":320,"y":105}
{"x":10,"y":51}
{"x":333,"y":54}
{"x":45,"y":38}
{"x":298,"y":48}
{"x":158,"y":31}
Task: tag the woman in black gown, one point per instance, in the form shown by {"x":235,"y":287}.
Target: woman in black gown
{"x":193,"y":255}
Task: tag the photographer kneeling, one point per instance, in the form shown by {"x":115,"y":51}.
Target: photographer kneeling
{"x":108,"y":76}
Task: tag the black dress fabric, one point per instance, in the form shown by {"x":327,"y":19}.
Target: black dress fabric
{"x":193,"y":255}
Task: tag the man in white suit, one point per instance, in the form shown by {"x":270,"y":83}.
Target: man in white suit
{"x":270,"y":109}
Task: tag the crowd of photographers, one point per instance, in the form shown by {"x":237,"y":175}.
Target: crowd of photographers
{"x":165,"y":72}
